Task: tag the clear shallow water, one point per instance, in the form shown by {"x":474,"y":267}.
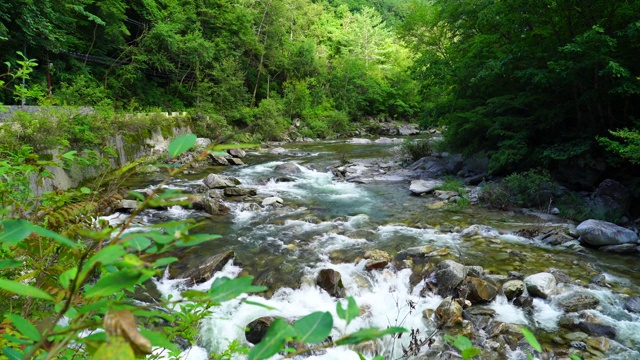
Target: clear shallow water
{"x":330,"y":224}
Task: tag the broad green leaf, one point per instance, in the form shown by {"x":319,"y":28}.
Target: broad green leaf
{"x":113,"y":282}
{"x":25,"y":327}
{"x":158,"y":339}
{"x":107,"y":256}
{"x":531,"y":339}
{"x":181,"y":144}
{"x":12,"y":354}
{"x":9,"y":264}
{"x":469,"y":353}
{"x":65,"y":277}
{"x":137,"y":195}
{"x":52,"y":235}
{"x":69,"y":155}
{"x":164,"y":262}
{"x":137,"y":243}
{"x":224,"y":289}
{"x":369,"y":334}
{"x":23,"y":289}
{"x":196,"y":239}
{"x":85,"y":190}
{"x":351,"y":312}
{"x":314,"y":328}
{"x":14,"y":231}
{"x":116,"y":348}
{"x":273,"y":340}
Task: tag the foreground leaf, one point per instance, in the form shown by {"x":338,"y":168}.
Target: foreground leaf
{"x":112,"y":283}
{"x":531,"y":339}
{"x":23,"y":289}
{"x":224,"y":289}
{"x":25,"y":327}
{"x":350,"y":312}
{"x":181,"y":144}
{"x":116,"y":348}
{"x":314,"y":328}
{"x":14,"y":231}
{"x":273,"y":340}
{"x":369,"y":334}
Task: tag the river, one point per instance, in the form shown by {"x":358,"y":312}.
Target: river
{"x":328,"y":223}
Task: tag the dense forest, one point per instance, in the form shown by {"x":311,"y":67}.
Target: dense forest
{"x":528,"y":84}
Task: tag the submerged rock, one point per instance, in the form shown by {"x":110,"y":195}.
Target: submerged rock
{"x":288,"y":168}
{"x":602,"y":233}
{"x":632,"y":304}
{"x":577,"y":301}
{"x":541,"y":284}
{"x":331,"y":281}
{"x":238,"y":191}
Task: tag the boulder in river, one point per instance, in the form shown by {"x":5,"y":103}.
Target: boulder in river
{"x":513,"y":288}
{"x":201,"y":144}
{"x":632,"y":304}
{"x":218,"y":160}
{"x":203,"y":271}
{"x":215,"y":181}
{"x":419,"y":187}
{"x":376,"y":259}
{"x":287,"y":168}
{"x":602,"y":233}
{"x":541,"y":284}
{"x":237,"y":153}
{"x":235,"y":161}
{"x":480,"y":291}
{"x":214,"y":206}
{"x":257,"y":329}
{"x":577,"y":301}
{"x":240,"y":191}
{"x":449,"y":274}
{"x":449,"y":313}
{"x":331,"y":281}
{"x":273,"y":200}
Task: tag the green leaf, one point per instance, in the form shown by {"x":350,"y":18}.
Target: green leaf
{"x":159,"y":339}
{"x":193,"y":294}
{"x":531,"y":339}
{"x":164,"y":262}
{"x":254,"y":303}
{"x":23,"y":289}
{"x":182,"y":144}
{"x":314,"y":328}
{"x":65,"y":277}
{"x":12,"y":354}
{"x":69,"y":155}
{"x":224,"y":289}
{"x":52,"y":235}
{"x":369,"y":334}
{"x":107,"y":256}
{"x":351,"y":312}
{"x":114,"y":282}
{"x":196,"y":239}
{"x":469,"y":353}
{"x":25,"y":327}
{"x":116,"y":348}
{"x":574,"y":357}
{"x":10,"y":264}
{"x":273,"y":340}
{"x":14,"y":231}
{"x":85,"y":190}
{"x":137,"y":242}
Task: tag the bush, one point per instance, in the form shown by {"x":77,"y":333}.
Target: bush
{"x":269,"y":120}
{"x":416,"y":150}
{"x":531,"y":188}
{"x":495,"y":195}
{"x":324,"y":121}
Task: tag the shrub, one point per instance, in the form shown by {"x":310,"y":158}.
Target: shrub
{"x":495,"y":195}
{"x":269,"y":120}
{"x":530,"y":188}
{"x":416,"y":150}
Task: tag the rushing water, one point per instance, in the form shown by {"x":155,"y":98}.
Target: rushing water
{"x":327,"y":223}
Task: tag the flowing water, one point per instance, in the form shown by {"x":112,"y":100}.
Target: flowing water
{"x":329,"y":223}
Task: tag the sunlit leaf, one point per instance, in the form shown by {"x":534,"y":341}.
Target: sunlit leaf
{"x":112,"y":283}
{"x":531,"y":339}
{"x":314,"y":328}
{"x":181,"y":144}
{"x":23,"y":289}
{"x":25,"y":327}
{"x":350,"y":312}
{"x":115,"y":348}
{"x":224,"y":289}
{"x":14,"y":231}
{"x":12,"y":354}
{"x":65,"y":277}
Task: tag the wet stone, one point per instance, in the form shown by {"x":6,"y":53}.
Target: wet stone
{"x":595,"y":329}
{"x":449,"y":274}
{"x":237,"y":191}
{"x":480,"y":291}
{"x":632,"y":304}
{"x":541,"y":284}
{"x":577,"y":301}
{"x":331,"y":281}
{"x":599,"y":343}
{"x":257,"y":329}
{"x":578,"y":345}
{"x":513,"y":288}
{"x":449,"y":313}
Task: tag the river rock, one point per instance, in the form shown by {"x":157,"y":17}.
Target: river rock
{"x":359,"y":141}
{"x":599,"y":343}
{"x":541,"y":284}
{"x":273,"y":200}
{"x":597,"y":329}
{"x":602,"y":233}
{"x":127,"y":205}
{"x":376,"y":259}
{"x":218,"y":160}
{"x":257,"y":329}
{"x":474,"y":270}
{"x":419,"y":187}
{"x":480,"y":291}
{"x":577,"y":301}
{"x":408,"y":129}
{"x":235,"y":161}
{"x":523,"y":301}
{"x":201,"y":272}
{"x":239,"y":191}
{"x":288,"y":168}
{"x":331,"y":281}
{"x":201,"y":144}
{"x":611,"y":197}
{"x":513,"y":288}
{"x":215,"y":181}
{"x":632,"y":304}
{"x":237,"y":153}
{"x":214,"y":206}
{"x":449,"y":274}
{"x":624,"y":249}
{"x":449,"y":313}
